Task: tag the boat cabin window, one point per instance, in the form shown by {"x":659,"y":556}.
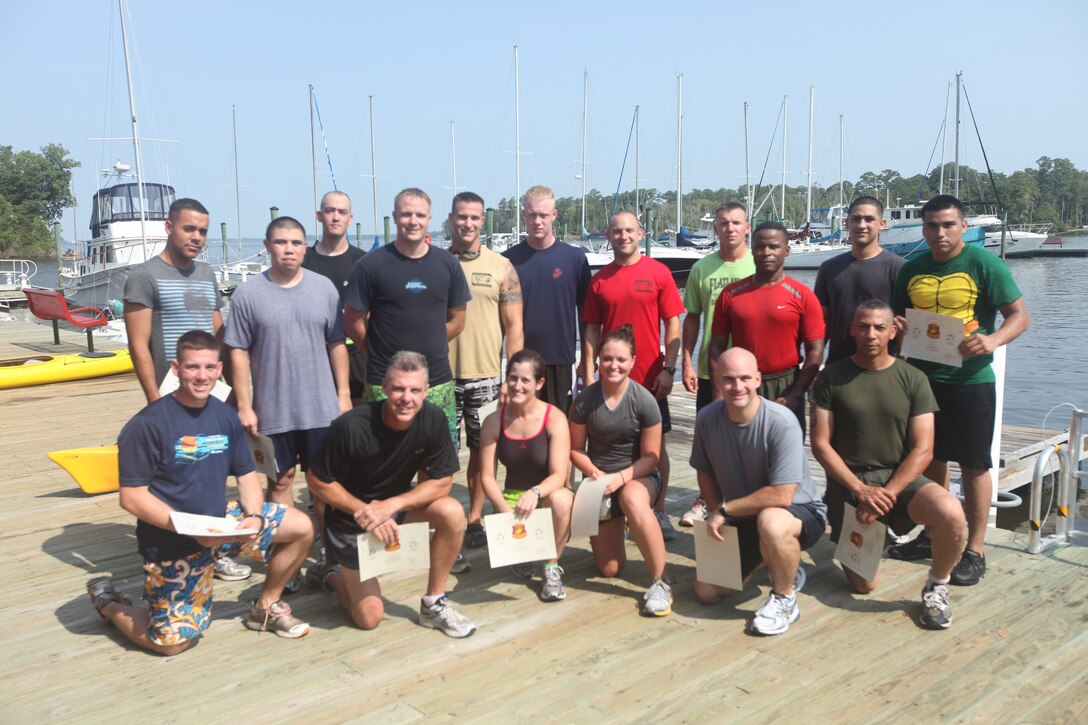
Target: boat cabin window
{"x":896,"y":214}
{"x":121,"y":202}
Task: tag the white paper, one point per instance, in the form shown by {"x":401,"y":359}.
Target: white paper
{"x":264,"y":454}
{"x":511,"y":540}
{"x":197,"y":525}
{"x":718,"y":562}
{"x":585,"y":518}
{"x":860,"y":545}
{"x":170,"y":383}
{"x":411,"y":550}
{"x":934,"y":337}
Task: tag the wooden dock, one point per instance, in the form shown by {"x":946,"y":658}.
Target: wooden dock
{"x":1017,"y":651}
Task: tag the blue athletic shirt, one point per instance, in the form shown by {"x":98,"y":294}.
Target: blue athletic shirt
{"x":553,"y":287}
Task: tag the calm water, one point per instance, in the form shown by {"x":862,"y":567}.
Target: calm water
{"x":1048,"y":365}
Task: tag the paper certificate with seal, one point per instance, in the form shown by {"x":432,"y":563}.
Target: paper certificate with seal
{"x":585,"y":518}
{"x":511,"y":540}
{"x":264,"y":454}
{"x":860,"y":545}
{"x":411,"y":550}
{"x":718,"y":562}
{"x":934,"y":337}
{"x":197,"y":525}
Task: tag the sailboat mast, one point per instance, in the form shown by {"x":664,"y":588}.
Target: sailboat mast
{"x":638,"y":209}
{"x":956,"y":169}
{"x":517,"y":146}
{"x":237,"y":181}
{"x":679,"y":153}
{"x":373,"y":169}
{"x":453,"y":147}
{"x":313,"y":149}
{"x":585,"y":113}
{"x":841,"y":144}
{"x":747,"y":167}
{"x":135,"y":135}
{"x":785,"y":124}
{"x":944,"y":136}
{"x":808,"y":199}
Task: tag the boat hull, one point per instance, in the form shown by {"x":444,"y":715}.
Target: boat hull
{"x":45,"y":369}
{"x":94,"y":469}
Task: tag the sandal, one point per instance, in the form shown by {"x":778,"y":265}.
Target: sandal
{"x":102,"y":593}
{"x":475,"y":538}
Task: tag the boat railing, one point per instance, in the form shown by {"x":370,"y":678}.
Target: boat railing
{"x":15,"y":274}
{"x":1064,"y":501}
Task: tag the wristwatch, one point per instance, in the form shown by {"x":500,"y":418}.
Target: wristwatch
{"x":536,"y":490}
{"x":669,"y":370}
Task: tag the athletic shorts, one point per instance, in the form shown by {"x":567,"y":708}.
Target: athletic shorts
{"x":617,"y":509}
{"x":342,"y":547}
{"x":440,"y":394}
{"x":898,"y":520}
{"x":356,"y":371}
{"x":775,"y":385}
{"x":812,"y":528}
{"x":469,"y":396}
{"x":704,"y":396}
{"x":963,"y":429}
{"x":558,"y":381}
{"x":294,"y":447}
{"x":179,"y":592}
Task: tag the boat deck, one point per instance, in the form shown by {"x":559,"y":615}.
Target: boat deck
{"x":1016,"y":652}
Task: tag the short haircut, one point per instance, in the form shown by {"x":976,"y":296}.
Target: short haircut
{"x":537,"y":193}
{"x":406,"y":361}
{"x":866,"y":201}
{"x":283,"y":222}
{"x":942,"y":202}
{"x":466,"y":197}
{"x":772,"y":227}
{"x":525,"y":355}
{"x":197,"y":340}
{"x":331,"y":193}
{"x":181,"y":205}
{"x":731,"y":206}
{"x":874,"y":305}
{"x":625,"y":334}
{"x":621,"y":212}
{"x":411,"y":192}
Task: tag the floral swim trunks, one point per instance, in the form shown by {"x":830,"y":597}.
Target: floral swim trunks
{"x":179,"y":592}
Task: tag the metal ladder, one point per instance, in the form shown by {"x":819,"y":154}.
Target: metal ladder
{"x":1069,"y":478}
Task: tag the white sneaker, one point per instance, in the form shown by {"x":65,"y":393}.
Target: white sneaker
{"x":775,"y":615}
{"x":229,"y":570}
{"x":697,"y":512}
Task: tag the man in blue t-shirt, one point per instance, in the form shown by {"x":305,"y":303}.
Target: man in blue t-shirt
{"x":174,"y":457}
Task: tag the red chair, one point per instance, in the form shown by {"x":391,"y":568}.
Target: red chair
{"x":47,"y":304}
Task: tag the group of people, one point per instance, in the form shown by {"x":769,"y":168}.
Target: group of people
{"x":362,"y":367}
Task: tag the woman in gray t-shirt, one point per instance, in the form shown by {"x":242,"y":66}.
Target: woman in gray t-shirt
{"x":615,"y":433}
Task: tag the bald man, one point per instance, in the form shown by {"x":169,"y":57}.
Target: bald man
{"x":636,"y":289}
{"x":749,"y":457}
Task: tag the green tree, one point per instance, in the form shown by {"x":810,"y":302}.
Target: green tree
{"x":34,"y":192}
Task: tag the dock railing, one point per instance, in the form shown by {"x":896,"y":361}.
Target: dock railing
{"x":1068,"y":484}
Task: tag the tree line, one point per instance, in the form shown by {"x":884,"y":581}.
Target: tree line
{"x":35,"y":189}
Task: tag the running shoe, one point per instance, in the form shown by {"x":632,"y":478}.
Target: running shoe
{"x":920,"y":547}
{"x":775,"y":615}
{"x":475,"y":536}
{"x":668,"y":533}
{"x":102,"y":593}
{"x":278,"y":619}
{"x":799,"y":578}
{"x":936,"y":614}
{"x":229,"y":570}
{"x":658,"y":599}
{"x":697,"y":512}
{"x":460,"y":565}
{"x":319,"y":572}
{"x":551,"y":589}
{"x":294,"y":583}
{"x":527,"y":570}
{"x":447,"y":620}
{"x":969,"y":569}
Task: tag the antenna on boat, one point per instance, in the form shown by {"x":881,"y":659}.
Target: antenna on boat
{"x":956,"y":177}
{"x":679,"y":154}
{"x":944,"y":135}
{"x":842,"y":200}
{"x":785,"y":125}
{"x":808,"y":199}
{"x":585,"y":114}
{"x":747,"y":166}
{"x":453,"y":146}
{"x":135,"y":134}
{"x":237,"y":182}
{"x":517,"y":146}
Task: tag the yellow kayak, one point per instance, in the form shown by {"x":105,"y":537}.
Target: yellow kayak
{"x":94,"y":469}
{"x":42,"y":369}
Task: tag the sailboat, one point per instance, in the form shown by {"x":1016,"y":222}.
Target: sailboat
{"x":128,"y":223}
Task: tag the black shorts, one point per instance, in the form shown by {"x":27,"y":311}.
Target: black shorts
{"x":617,"y":509}
{"x":356,"y":372}
{"x":342,"y":547}
{"x":294,"y":447}
{"x":964,"y":426}
{"x":812,"y":528}
{"x":666,"y":418}
{"x":558,"y":381}
{"x":898,"y":520}
{"x":704,"y":396}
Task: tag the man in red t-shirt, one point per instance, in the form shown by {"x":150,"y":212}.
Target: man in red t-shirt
{"x":641,"y":291}
{"x":772,"y":316}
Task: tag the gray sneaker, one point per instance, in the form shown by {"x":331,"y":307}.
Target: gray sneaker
{"x":799,"y":579}
{"x":775,"y":615}
{"x":229,"y":570}
{"x":668,"y":533}
{"x":443,"y":617}
{"x":658,"y":599}
{"x":936,"y":613}
{"x":319,"y":572}
{"x":460,"y":565}
{"x":551,"y":589}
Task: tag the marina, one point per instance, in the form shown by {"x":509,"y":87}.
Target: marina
{"x":1015,"y":652}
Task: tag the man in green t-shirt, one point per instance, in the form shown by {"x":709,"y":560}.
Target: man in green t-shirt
{"x":973,"y":285}
{"x":730,"y":263}
{"x":873,"y":435}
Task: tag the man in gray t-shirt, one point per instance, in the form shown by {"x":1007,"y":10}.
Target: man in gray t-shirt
{"x":750,"y":460}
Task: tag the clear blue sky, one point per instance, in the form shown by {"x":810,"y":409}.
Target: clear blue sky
{"x":886,"y":70}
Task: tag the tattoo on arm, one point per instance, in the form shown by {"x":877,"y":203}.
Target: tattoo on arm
{"x":510,"y":294}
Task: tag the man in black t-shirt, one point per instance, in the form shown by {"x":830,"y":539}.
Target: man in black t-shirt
{"x":333,"y":257}
{"x":363,"y":473}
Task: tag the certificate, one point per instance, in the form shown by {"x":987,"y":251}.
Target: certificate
{"x":860,"y":545}
{"x":718,"y":562}
{"x":264,"y":454}
{"x":934,"y":337}
{"x":170,"y":383}
{"x":511,"y":540}
{"x":411,"y":550}
{"x":585,"y":518}
{"x":197,"y":525}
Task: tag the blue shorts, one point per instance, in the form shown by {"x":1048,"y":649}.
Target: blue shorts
{"x":179,"y":592}
{"x":294,"y":447}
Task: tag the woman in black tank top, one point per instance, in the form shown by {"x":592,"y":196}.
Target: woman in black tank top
{"x":532,"y":440}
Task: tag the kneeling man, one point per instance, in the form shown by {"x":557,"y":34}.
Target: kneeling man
{"x":363,"y":471}
{"x":175,"y":455}
{"x":874,"y":436}
{"x":750,"y":460}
